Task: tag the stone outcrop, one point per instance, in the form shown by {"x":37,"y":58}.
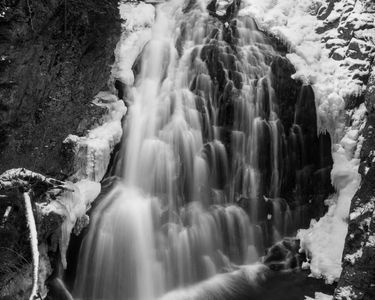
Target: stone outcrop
{"x":54,"y":57}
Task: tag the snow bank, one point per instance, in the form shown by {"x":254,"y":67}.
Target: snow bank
{"x":324,"y":241}
{"x":93,"y":151}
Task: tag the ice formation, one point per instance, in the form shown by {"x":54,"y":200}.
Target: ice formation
{"x":93,"y":151}
{"x":324,"y":240}
{"x":137,"y":32}
{"x":72,"y":204}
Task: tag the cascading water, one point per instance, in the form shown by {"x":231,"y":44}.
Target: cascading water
{"x":203,"y":162}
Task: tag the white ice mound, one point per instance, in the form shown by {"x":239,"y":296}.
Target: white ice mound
{"x":72,"y":205}
{"x":93,"y":151}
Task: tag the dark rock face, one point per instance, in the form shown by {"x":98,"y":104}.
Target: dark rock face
{"x":358,"y":275}
{"x":55,"y":56}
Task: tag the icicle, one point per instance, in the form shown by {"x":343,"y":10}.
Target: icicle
{"x":33,"y":243}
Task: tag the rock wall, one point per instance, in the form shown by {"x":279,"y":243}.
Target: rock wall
{"x":357,"y":279}
{"x":54,"y":57}
{"x":349,"y":34}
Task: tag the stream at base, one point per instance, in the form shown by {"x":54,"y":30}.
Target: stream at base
{"x":212,"y":171}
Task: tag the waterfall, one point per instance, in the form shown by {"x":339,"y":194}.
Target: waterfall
{"x":203,"y":161}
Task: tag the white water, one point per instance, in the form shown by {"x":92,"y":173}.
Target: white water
{"x":173,"y":221}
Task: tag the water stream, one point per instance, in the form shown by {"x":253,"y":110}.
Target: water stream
{"x":203,"y":162}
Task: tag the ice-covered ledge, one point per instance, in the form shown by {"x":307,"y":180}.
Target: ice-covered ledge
{"x":90,"y":154}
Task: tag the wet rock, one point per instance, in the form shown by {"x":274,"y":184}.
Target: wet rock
{"x":284,"y":255}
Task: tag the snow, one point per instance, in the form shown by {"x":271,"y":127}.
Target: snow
{"x":352,"y":258}
{"x":127,"y":53}
{"x":72,"y":204}
{"x":344,"y":293}
{"x":324,"y":242}
{"x":371,"y":241}
{"x":137,"y":32}
{"x":93,"y":151}
{"x":369,"y":206}
{"x":136,"y":15}
{"x":320,"y":296}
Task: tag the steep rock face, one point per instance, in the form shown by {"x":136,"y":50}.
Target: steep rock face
{"x":54,"y":57}
{"x":348,"y":32}
{"x":348,"y":29}
{"x":358,"y":275}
